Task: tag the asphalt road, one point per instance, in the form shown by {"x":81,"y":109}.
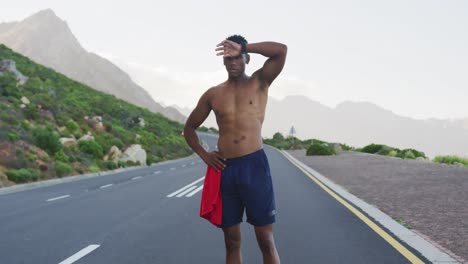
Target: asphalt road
{"x":142,"y":216}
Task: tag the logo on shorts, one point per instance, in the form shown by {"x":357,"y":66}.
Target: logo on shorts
{"x":272,"y":213}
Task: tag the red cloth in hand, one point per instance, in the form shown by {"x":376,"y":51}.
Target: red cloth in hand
{"x":211,"y":207}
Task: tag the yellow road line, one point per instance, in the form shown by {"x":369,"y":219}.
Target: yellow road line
{"x":394,"y":243}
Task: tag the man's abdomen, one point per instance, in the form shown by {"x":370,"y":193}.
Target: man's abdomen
{"x":232,"y":145}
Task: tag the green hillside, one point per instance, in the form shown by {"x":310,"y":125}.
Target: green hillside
{"x":29,"y":132}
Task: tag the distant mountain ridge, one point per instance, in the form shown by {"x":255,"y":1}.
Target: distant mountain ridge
{"x":48,"y":40}
{"x":362,"y":123}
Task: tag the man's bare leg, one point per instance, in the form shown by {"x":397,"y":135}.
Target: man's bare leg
{"x":232,"y":239}
{"x":266,"y":243}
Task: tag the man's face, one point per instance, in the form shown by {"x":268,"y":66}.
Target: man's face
{"x":235,"y":66}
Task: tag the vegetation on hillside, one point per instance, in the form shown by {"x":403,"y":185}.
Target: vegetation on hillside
{"x":29,"y":133}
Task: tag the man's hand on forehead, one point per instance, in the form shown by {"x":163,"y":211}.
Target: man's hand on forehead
{"x":228,"y":48}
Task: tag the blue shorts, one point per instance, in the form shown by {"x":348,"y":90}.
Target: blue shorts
{"x":246,"y":183}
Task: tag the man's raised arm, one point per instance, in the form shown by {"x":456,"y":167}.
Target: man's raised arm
{"x":276,"y":53}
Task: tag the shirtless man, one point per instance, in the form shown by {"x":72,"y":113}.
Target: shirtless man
{"x":239,"y":105}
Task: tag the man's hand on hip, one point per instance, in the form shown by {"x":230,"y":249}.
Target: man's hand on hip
{"x":214,"y":160}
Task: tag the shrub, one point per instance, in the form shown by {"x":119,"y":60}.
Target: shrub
{"x":320,"y":149}
{"x":9,"y":116}
{"x":409,"y":155}
{"x":94,"y":168}
{"x":412,"y":154}
{"x":31,"y":112}
{"x":451,"y":160}
{"x":108,"y":126}
{"x":62,"y":169}
{"x":117,"y":142}
{"x":372,"y":148}
{"x":8,"y":86}
{"x":25,"y":125}
{"x":65,"y":134}
{"x":278,"y":136}
{"x":91,"y":147}
{"x":130,"y":163}
{"x":15,"y":101}
{"x":346,"y":147}
{"x":30,"y":156}
{"x":384,"y":150}
{"x":149,"y":160}
{"x":12,"y":136}
{"x":107,"y":141}
{"x":121,"y":164}
{"x":72,"y":126}
{"x":109,"y":165}
{"x":22,"y":175}
{"x":47,"y":140}
{"x":4,"y":106}
{"x":61,"y":156}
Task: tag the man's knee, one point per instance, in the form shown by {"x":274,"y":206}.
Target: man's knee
{"x":266,"y":244}
{"x":232,"y":238}
{"x":265,"y":239}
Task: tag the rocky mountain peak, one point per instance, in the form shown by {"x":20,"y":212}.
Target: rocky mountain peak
{"x":46,"y":15}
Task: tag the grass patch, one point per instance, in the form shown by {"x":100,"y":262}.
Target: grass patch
{"x":402,"y":222}
{"x":453,"y":160}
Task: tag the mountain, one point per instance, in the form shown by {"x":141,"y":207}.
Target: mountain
{"x":48,"y":40}
{"x":184,"y":110}
{"x":362,"y":123}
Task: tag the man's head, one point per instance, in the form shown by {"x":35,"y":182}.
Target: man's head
{"x":235,"y":66}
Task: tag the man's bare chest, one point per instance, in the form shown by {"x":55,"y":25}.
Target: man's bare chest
{"x":234,"y":103}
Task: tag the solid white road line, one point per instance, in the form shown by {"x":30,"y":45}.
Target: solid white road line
{"x":186,"y":187}
{"x":195,"y":191}
{"x":157,"y":172}
{"x":57,"y":198}
{"x":105,"y":186}
{"x":136,"y":178}
{"x":85,"y":251}
{"x":186,"y":191}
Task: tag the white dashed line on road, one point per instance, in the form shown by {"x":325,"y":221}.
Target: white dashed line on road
{"x":193,"y":163}
{"x":105,"y":186}
{"x":183,"y":166}
{"x":85,"y":251}
{"x":186,"y":191}
{"x":172,"y":168}
{"x":195,"y":191}
{"x":58,"y":198}
{"x":186,"y":187}
{"x":157,"y":172}
{"x":136,"y":178}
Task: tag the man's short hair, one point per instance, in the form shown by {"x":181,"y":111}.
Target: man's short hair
{"x":237,"y":39}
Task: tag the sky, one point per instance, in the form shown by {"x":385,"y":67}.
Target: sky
{"x":409,"y":57}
